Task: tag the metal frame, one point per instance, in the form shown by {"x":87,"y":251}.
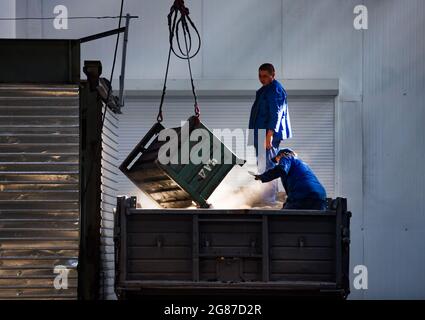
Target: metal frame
{"x":112,"y":32}
{"x":90,"y":193}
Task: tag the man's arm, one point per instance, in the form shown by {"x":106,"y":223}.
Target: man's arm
{"x":269,"y":139}
{"x":271,"y":174}
{"x":275,"y":103}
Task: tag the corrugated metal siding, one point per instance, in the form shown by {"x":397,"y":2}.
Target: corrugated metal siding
{"x":39,"y":184}
{"x":394,"y":149}
{"x":109,"y":187}
{"x":312,"y":120}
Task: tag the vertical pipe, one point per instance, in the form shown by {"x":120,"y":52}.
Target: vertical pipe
{"x":123,"y":212}
{"x":123,"y":61}
{"x":338,"y":245}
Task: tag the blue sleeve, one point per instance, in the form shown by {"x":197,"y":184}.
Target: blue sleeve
{"x":275,"y":101}
{"x":271,"y":174}
{"x":285,"y":164}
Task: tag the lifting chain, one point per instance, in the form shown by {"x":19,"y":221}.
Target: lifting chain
{"x":178,"y":19}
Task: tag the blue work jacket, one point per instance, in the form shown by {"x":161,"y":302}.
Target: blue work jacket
{"x":270,"y":111}
{"x":297,"y":178}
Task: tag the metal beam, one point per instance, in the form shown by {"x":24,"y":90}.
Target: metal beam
{"x":136,"y":88}
{"x":124,"y":57}
{"x":102,"y":35}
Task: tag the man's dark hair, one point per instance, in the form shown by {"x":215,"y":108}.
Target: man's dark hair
{"x":285,"y":153}
{"x":267,"y":67}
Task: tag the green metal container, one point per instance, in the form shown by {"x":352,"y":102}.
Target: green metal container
{"x":186,"y":179}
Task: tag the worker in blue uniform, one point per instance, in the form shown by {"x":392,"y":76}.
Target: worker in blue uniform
{"x":271,"y":124}
{"x":303,"y":188}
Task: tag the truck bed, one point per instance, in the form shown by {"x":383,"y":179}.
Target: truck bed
{"x":211,"y":251}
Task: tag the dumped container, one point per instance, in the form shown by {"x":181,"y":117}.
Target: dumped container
{"x":185,"y":167}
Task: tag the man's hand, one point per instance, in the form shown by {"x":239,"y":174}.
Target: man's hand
{"x":269,"y":140}
{"x":256,"y":176}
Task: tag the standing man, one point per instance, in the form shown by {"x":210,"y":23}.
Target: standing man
{"x":270,"y":122}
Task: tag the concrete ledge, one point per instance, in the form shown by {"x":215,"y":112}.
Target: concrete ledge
{"x":232,"y":88}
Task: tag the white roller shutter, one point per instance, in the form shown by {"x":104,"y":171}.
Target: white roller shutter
{"x":312,"y":122}
{"x":313,"y":125}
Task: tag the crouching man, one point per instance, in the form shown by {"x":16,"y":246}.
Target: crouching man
{"x":303,"y":189}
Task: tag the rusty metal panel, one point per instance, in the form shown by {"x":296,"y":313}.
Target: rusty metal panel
{"x":39,"y":190}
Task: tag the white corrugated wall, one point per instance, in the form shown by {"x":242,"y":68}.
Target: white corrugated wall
{"x":109,"y":187}
{"x":394,"y":149}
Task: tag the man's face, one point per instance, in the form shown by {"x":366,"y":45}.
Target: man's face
{"x":265,"y":77}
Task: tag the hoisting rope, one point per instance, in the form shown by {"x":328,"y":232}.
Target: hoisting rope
{"x":173,"y":28}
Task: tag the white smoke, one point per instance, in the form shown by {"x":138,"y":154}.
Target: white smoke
{"x":239,"y":190}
